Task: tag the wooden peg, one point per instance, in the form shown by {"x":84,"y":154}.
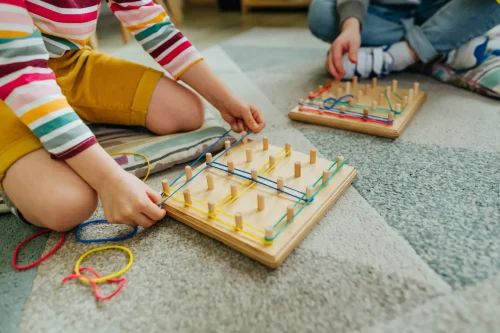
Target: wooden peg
{"x":208,"y":156}
{"x":249,"y":155}
{"x":388,"y":90}
{"x":269,"y":234}
{"x":234,"y":191}
{"x":272,"y":161}
{"x":312,"y":156}
{"x":339,"y":92}
{"x":210,"y":182}
{"x":374,"y":105}
{"x":189,"y":172}
{"x":245,"y":139}
{"x":265,"y":143}
{"x":390,"y":116}
{"x":288,"y":149}
{"x":348,"y":87}
{"x":398,"y":107}
{"x":281,"y":184}
{"x":238,"y":221}
{"x":165,"y":186}
{"x":254,"y":174}
{"x":289,"y":213}
{"x":352,"y":101}
{"x":410,"y":95}
{"x":326,"y":174}
{"x":360,"y":94}
{"x":297,"y":169}
{"x":366,"y":112}
{"x":415,"y":88}
{"x":230,"y":167}
{"x":309,"y":192}
{"x":354,"y":82}
{"x":260,"y":202}
{"x":394,"y":85}
{"x":381,"y":98}
{"x":405,"y":100}
{"x":301,"y":101}
{"x":342,"y":110}
{"x":367,"y":89}
{"x":187,"y":198}
{"x":374,"y":83}
{"x":340,"y":160}
{"x":211,"y":208}
{"x":227,"y":144}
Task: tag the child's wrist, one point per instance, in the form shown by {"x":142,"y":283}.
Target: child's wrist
{"x":351,"y":23}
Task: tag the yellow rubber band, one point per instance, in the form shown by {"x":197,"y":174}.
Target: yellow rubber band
{"x":136,"y":154}
{"x":111,"y":276}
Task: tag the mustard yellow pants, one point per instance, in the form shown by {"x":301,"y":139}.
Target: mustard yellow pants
{"x":100,"y":88}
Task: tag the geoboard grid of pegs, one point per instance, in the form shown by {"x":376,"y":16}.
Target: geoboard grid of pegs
{"x":342,"y":101}
{"x":216,"y":210}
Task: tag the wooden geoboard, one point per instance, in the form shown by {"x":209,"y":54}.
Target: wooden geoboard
{"x":257,"y":198}
{"x":366,"y":108}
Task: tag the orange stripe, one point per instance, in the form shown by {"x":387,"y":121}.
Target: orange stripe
{"x":157,"y":19}
{"x":44,"y":110}
{"x":13,"y":34}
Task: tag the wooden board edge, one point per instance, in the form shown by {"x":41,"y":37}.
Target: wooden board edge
{"x":412,"y":114}
{"x":306,"y":229}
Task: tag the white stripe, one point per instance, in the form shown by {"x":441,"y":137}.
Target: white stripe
{"x":27,"y":70}
{"x":51,"y":116}
{"x":38,"y":102}
{"x":156,"y":35}
{"x":17,"y":43}
{"x":25,"y":58}
{"x":56,"y":43}
{"x":13,"y":9}
{"x":136,"y":3}
{"x":65,"y":10}
{"x":143,"y":20}
{"x":131,"y":12}
{"x":187,"y":62}
{"x":171,"y":48}
{"x":23,"y":90}
{"x":61,"y":130}
{"x":66,"y":34}
{"x":41,"y":20}
{"x":72,"y":143}
{"x":18,"y":27}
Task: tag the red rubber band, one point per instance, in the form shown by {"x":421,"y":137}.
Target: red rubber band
{"x":320,"y":91}
{"x":36,"y":263}
{"x":122,"y":282}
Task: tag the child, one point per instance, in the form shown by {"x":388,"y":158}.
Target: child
{"x":52,"y":170}
{"x":396,"y":34}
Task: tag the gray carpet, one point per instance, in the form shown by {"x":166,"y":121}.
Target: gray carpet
{"x":412,"y":246}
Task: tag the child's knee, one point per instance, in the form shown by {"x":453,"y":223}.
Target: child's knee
{"x":66,"y":210}
{"x":322,"y":20}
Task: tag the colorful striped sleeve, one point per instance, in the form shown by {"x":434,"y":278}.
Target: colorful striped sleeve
{"x":28,"y":86}
{"x":152,"y":28}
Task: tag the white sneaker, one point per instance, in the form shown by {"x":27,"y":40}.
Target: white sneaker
{"x":372,"y":62}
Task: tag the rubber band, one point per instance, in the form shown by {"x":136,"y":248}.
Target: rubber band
{"x":111,"y":276}
{"x":122,"y":282}
{"x":136,"y":154}
{"x":101,"y":240}
{"x":36,"y":263}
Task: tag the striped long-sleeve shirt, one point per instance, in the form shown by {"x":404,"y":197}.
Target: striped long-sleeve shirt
{"x":32,"y":31}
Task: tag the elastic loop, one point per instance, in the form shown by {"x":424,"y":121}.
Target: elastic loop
{"x":111,"y":276}
{"x":100,"y":240}
{"x":36,"y":263}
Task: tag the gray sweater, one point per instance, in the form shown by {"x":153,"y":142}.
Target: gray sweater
{"x":358,"y":8}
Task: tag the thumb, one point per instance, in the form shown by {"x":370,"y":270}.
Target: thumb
{"x":353,"y":53}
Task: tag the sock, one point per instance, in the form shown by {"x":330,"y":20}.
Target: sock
{"x":468,"y":55}
{"x":400,"y":52}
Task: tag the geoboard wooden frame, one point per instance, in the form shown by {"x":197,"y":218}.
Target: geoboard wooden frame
{"x":366,"y":108}
{"x":271,"y":234}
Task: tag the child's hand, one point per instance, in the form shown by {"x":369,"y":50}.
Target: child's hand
{"x":348,"y":41}
{"x":127,"y":200}
{"x":243,"y":117}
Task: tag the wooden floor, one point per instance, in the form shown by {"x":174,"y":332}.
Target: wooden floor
{"x":207,"y":26}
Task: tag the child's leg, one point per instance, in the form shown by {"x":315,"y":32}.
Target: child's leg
{"x":40,"y":190}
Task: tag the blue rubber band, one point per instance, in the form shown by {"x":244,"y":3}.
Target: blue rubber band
{"x":101,"y":240}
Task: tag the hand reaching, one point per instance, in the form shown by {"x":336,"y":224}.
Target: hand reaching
{"x":348,"y":41}
{"x":243,"y":117}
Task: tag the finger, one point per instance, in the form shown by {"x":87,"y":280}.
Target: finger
{"x":143,"y":221}
{"x":259,"y":119}
{"x":249,"y":120}
{"x":353,"y":52}
{"x":151,"y":209}
{"x":241,"y":126}
{"x":337,"y":60}
{"x":234,"y":126}
{"x":332,"y":68}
